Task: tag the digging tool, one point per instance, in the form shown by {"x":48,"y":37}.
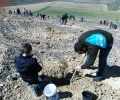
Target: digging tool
{"x":76,"y":70}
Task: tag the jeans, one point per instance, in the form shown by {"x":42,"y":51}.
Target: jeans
{"x":35,"y":87}
{"x":103,"y":59}
{"x":64,"y":22}
{"x":55,"y":97}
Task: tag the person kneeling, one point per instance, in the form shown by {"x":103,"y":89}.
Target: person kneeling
{"x":28,"y":67}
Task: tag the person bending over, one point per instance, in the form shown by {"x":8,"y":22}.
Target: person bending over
{"x":90,"y":43}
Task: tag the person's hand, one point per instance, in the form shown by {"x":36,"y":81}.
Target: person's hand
{"x":78,"y":67}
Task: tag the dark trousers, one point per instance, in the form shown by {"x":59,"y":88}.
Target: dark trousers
{"x":64,"y":22}
{"x":103,"y":59}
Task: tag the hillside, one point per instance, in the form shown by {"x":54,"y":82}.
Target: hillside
{"x":53,"y":42}
{"x":88,"y":11}
{"x":112,"y":4}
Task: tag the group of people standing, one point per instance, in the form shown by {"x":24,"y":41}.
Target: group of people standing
{"x":25,"y":12}
{"x":113,"y":25}
{"x":42,"y":16}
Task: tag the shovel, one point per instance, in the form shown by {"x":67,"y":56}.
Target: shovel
{"x":76,"y":70}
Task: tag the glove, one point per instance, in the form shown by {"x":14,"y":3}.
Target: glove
{"x":77,"y":67}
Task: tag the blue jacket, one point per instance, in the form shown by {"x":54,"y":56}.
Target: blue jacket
{"x":28,"y":68}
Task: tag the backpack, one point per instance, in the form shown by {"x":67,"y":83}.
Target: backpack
{"x":98,"y":40}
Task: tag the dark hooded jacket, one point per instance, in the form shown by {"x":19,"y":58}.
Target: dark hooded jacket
{"x":92,"y":50}
{"x":64,"y":17}
{"x":28,"y":68}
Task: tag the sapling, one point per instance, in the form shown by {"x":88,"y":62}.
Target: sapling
{"x":63,"y":66}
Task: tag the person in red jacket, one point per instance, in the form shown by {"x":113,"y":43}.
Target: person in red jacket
{"x":90,"y":43}
{"x":26,"y":12}
{"x":28,"y":67}
{"x":111,"y":25}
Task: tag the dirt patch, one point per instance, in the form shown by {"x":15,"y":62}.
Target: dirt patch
{"x":51,"y":45}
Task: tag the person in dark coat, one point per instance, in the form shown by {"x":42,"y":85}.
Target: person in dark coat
{"x":18,"y":11}
{"x":28,"y":67}
{"x":64,"y":19}
{"x":30,"y":13}
{"x":10,"y":12}
{"x":90,"y":43}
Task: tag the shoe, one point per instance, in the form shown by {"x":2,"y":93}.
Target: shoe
{"x":40,"y":85}
{"x":97,"y":78}
{"x":27,"y":84}
{"x":33,"y":90}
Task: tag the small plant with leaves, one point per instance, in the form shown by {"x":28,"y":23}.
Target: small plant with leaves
{"x":63,"y":66}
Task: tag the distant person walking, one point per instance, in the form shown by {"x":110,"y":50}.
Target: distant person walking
{"x":64,"y":19}
{"x":10,"y":12}
{"x":107,"y":22}
{"x":100,"y":22}
{"x":82,"y":20}
{"x":37,"y":15}
{"x":115,"y":24}
{"x":104,"y":22}
{"x":24,"y":11}
{"x":60,"y":18}
{"x":44,"y":17}
{"x":30,"y":13}
{"x":111,"y":25}
{"x":18,"y":11}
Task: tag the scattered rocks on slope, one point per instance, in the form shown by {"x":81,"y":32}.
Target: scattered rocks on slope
{"x":52,"y":43}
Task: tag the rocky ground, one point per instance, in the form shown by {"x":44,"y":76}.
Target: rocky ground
{"x":53,"y":47}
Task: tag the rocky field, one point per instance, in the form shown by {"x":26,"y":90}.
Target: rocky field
{"x":53,"y":47}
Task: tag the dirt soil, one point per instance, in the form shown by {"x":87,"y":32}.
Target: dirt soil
{"x":53,"y":47}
